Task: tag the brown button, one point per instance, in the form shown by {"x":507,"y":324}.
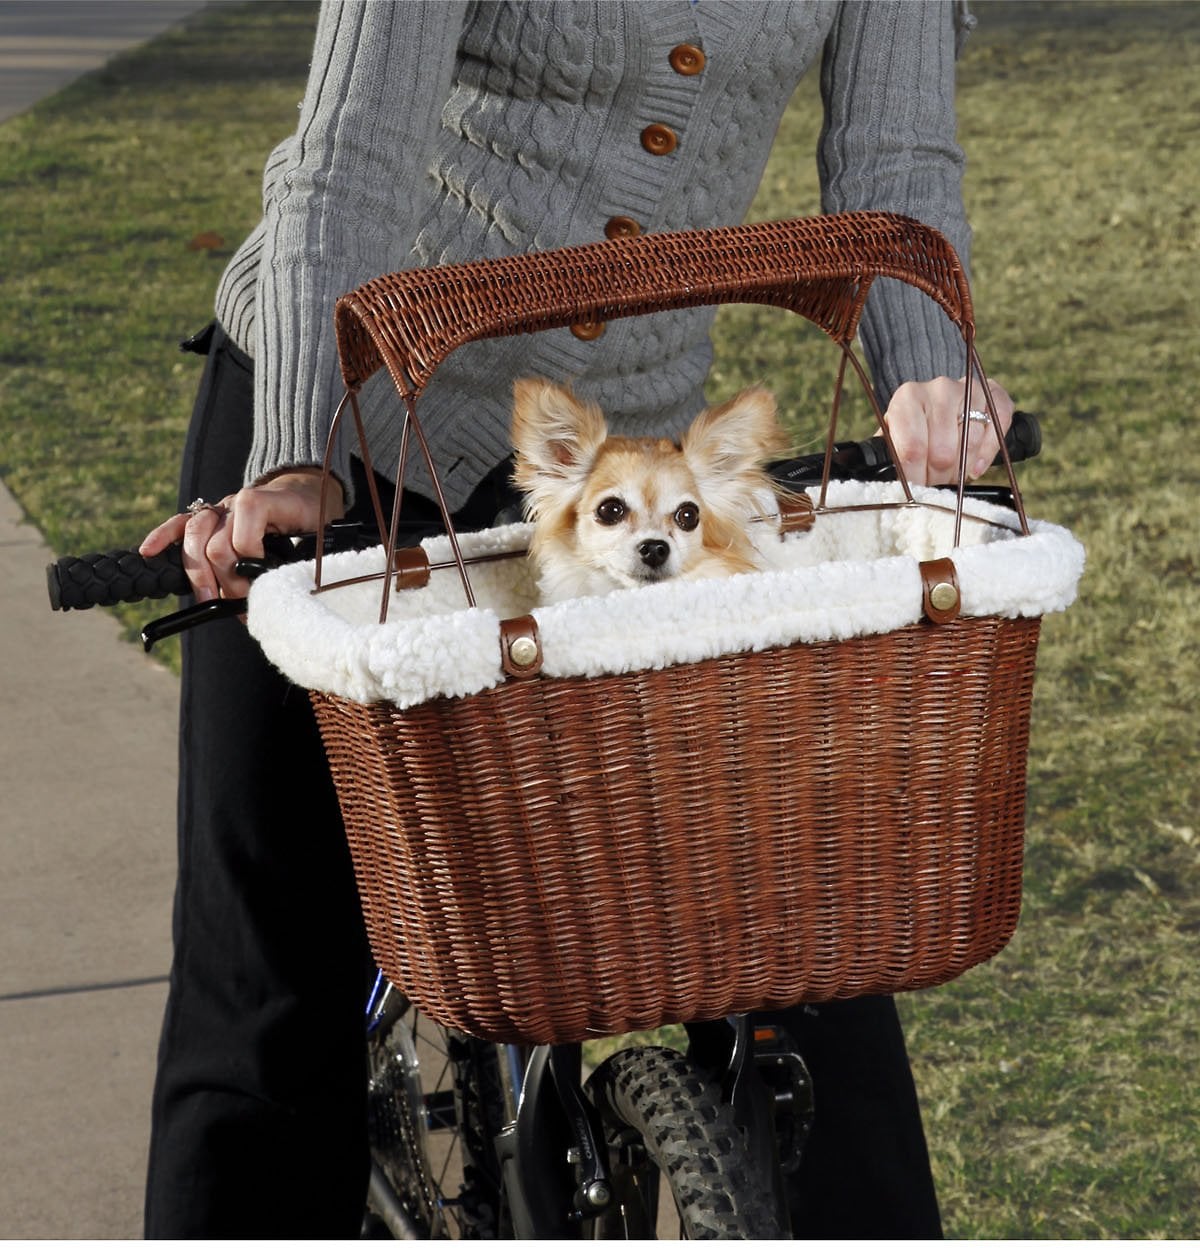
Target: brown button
{"x":622,"y":227}
{"x":587,"y":331}
{"x":687,"y":59}
{"x":659,"y":140}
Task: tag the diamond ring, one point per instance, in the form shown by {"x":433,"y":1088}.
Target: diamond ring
{"x":197,"y":505}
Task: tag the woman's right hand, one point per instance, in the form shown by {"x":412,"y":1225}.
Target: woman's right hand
{"x":216,"y":536}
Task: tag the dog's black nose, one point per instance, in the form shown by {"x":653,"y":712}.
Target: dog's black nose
{"x":654,"y":553}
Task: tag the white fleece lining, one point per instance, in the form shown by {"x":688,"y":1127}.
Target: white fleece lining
{"x":855,"y":573}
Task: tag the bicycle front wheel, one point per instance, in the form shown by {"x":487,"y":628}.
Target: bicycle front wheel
{"x":680,"y":1166}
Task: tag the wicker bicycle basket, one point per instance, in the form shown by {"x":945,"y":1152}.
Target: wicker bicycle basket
{"x":547,"y":852}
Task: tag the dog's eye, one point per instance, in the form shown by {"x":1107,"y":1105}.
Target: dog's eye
{"x":611,"y":511}
{"x":687,"y":516}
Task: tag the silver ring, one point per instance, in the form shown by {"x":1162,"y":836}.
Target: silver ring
{"x":197,"y":505}
{"x":977,"y":415}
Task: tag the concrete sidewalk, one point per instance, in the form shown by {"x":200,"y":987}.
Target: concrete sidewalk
{"x":87,"y":824}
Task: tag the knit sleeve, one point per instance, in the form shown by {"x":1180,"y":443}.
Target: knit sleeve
{"x":888,"y":144}
{"x":343,"y":206}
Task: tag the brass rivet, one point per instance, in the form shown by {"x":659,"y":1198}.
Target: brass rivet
{"x":943,"y":596}
{"x":523,"y":651}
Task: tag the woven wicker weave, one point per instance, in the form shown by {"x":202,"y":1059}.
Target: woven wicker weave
{"x":558,"y":858}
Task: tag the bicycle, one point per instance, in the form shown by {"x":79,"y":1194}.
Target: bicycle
{"x":472,"y":1139}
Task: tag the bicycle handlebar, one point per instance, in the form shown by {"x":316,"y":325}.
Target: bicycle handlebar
{"x":869,"y":460}
{"x":76,"y":583}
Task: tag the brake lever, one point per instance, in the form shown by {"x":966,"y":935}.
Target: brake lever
{"x":215,"y":608}
{"x":198,"y":613}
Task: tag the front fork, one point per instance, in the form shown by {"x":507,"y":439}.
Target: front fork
{"x":555,"y":1123}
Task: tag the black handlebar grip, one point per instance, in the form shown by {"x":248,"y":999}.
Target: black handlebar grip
{"x":1024,"y":437}
{"x":101,"y":580}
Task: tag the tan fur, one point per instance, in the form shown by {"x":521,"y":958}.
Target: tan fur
{"x":571,"y":472}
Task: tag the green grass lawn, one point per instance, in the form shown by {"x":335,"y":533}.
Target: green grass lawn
{"x":1058,"y":1080}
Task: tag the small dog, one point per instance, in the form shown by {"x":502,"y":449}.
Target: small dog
{"x":613,"y":512}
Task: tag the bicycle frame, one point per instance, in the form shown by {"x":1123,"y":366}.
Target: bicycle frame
{"x":553,"y":1138}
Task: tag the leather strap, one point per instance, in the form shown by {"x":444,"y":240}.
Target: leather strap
{"x":796,"y":513}
{"x":942,"y":600}
{"x":412,"y":568}
{"x":520,"y":647}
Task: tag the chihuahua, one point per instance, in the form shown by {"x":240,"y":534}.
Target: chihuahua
{"x":615,"y":512}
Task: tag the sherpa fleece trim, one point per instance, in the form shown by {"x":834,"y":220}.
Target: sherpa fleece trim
{"x":853,"y":574}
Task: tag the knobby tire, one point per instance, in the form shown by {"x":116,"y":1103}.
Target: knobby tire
{"x":672,"y":1139}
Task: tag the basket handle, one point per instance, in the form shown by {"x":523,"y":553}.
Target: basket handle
{"x":820,"y":267}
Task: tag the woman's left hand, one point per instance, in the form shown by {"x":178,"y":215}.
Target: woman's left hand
{"x":924,"y":419}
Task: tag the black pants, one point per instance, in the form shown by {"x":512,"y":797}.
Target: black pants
{"x":865,"y":1173}
{"x":259,"y":1105}
{"x":258,"y":1119}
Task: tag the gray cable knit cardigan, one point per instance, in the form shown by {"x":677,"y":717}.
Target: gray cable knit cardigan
{"x":435,"y":131}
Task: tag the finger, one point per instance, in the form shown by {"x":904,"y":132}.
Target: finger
{"x":986,"y":446}
{"x":223,"y":553}
{"x":161,"y":536}
{"x":909,"y":430}
{"x":982,"y":444}
{"x":982,"y":447}
{"x":943,"y":411}
{"x":250,"y":519}
{"x":198,"y":532}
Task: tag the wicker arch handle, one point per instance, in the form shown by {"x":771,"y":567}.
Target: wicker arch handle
{"x":819,"y":267}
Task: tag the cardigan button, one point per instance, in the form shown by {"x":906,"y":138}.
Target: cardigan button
{"x":659,"y":140}
{"x":687,"y":59}
{"x":588,"y":331}
{"x":622,"y":227}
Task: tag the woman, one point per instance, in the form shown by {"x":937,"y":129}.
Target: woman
{"x":434,"y":133}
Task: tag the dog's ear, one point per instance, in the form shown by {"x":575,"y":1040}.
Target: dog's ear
{"x":556,"y":435}
{"x":737,"y":437}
